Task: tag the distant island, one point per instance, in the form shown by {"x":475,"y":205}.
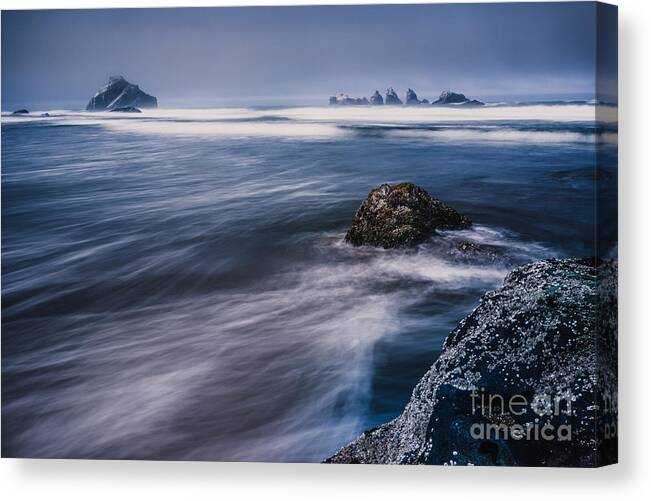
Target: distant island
{"x":391,"y":98}
{"x":120,"y":95}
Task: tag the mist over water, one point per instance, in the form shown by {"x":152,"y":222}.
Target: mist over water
{"x":176,"y":285}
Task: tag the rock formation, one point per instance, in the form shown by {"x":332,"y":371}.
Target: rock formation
{"x":471,"y":252}
{"x":401,"y":215}
{"x":118,"y":93}
{"x":21,"y":112}
{"x":527,"y":379}
{"x":126,"y":109}
{"x":376,"y":98}
{"x":391,"y":97}
{"x":411,"y":99}
{"x":345,"y":99}
{"x":449,"y":97}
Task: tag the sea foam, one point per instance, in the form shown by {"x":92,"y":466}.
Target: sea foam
{"x":339,"y":123}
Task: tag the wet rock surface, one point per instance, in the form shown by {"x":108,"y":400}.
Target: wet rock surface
{"x":401,"y":215}
{"x":471,"y":252}
{"x":528,"y":378}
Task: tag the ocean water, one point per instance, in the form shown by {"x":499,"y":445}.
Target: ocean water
{"x":175,"y":284}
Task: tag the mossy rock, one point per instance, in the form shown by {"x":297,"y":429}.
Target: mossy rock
{"x":401,"y":215}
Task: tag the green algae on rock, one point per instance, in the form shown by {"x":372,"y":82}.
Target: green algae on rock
{"x":401,"y":215}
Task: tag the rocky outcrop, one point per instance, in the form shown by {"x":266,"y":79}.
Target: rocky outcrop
{"x":21,"y":112}
{"x":401,"y":215}
{"x":473,"y":253}
{"x":376,"y":99}
{"x":118,"y":93}
{"x":391,"y":98}
{"x":449,"y":97}
{"x":126,"y":109}
{"x":528,"y":379}
{"x":345,"y":99}
{"x":411,"y":99}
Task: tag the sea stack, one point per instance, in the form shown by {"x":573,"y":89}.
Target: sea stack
{"x":376,"y":99}
{"x":119,"y":93}
{"x":391,"y":97}
{"x":401,"y":215}
{"x":346,"y":100}
{"x":411,"y":99}
{"x":449,"y":97}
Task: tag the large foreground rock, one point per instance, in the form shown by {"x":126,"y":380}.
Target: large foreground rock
{"x":544,"y":346}
{"x":401,"y":215}
{"x":118,"y":93}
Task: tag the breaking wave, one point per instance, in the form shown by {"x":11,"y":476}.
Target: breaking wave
{"x":552,"y":123}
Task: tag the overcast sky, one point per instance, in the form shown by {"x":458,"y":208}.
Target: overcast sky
{"x":293,"y":54}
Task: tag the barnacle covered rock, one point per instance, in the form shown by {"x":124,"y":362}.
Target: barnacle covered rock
{"x":401,"y":215}
{"x":528,"y":378}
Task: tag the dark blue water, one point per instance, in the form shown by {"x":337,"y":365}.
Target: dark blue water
{"x":177,"y":287}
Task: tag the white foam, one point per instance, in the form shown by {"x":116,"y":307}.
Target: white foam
{"x":324,"y":122}
{"x":507,"y":135}
{"x":228,"y":129}
{"x":392,"y":114}
{"x":356,"y":114}
{"x":432,"y":114}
